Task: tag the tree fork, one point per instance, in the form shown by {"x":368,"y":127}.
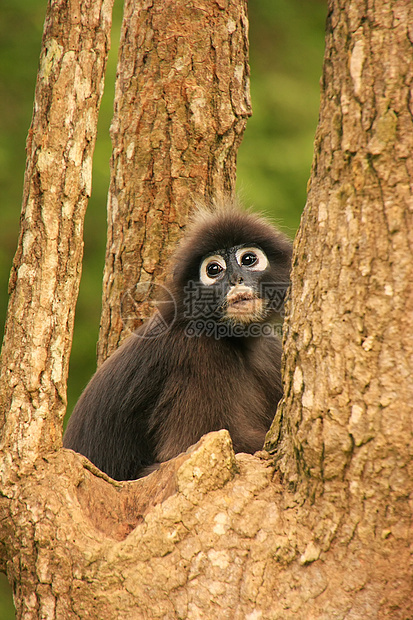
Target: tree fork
{"x":328,"y":534}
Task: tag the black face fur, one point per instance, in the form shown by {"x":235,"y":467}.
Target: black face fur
{"x":213,"y":365}
{"x":228,"y":233}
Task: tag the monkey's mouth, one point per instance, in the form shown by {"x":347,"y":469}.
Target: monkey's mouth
{"x":242,"y":305}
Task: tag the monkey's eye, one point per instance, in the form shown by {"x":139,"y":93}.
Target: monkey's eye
{"x":212,"y":268}
{"x":249,"y":259}
{"x":253,"y":258}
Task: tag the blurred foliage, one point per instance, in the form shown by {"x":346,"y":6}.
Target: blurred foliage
{"x":274,"y":161}
{"x":286,"y":48}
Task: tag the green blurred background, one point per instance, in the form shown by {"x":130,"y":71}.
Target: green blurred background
{"x":286,"y":50}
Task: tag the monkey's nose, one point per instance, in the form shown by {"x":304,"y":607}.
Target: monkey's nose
{"x":236,"y":278}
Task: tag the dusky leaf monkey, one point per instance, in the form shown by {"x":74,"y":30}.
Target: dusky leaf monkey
{"x":208,"y":359}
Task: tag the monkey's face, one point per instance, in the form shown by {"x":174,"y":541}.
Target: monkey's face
{"x":234,"y":275}
{"x":231,"y":267}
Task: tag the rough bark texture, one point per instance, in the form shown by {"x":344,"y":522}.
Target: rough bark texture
{"x":210,"y":535}
{"x":181,"y":105}
{"x":46,"y":271}
{"x":346,"y":422}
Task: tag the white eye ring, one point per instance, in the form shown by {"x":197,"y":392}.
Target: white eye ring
{"x":203,"y":272}
{"x":261,"y":263}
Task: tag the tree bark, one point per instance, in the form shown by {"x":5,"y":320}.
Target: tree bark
{"x":344,"y":430}
{"x":46,"y":270}
{"x":45,"y":277}
{"x":327,"y":534}
{"x":181,"y":104}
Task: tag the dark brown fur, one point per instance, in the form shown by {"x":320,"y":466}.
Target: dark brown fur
{"x":154,"y":397}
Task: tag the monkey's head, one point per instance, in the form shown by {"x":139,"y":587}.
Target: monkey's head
{"x":231,"y":265}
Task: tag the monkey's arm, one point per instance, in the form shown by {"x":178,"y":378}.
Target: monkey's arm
{"x":110,"y":423}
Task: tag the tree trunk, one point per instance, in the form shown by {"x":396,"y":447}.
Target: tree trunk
{"x":181,"y":105}
{"x":344,"y":431}
{"x":213,"y":535}
{"x":45,"y":277}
